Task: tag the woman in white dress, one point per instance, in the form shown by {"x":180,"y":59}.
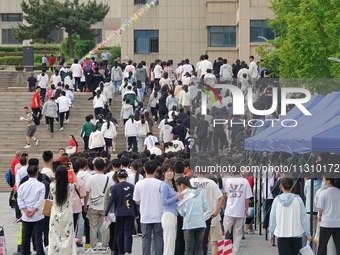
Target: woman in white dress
{"x":61,"y":234}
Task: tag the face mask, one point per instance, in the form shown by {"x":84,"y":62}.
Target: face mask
{"x":323,"y":185}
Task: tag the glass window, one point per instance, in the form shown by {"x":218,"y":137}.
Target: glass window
{"x":12,"y":17}
{"x":222,"y":36}
{"x":145,"y":41}
{"x":7,"y":37}
{"x":97,"y":34}
{"x":260,"y":28}
{"x":142,"y":2}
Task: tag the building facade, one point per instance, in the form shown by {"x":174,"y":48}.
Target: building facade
{"x":11,"y":16}
{"x":177,"y":29}
{"x":173,"y":29}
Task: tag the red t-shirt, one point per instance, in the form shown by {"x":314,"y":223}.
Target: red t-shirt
{"x":35,"y":96}
{"x":73,"y":143}
{"x":251,"y":181}
{"x":51,"y":60}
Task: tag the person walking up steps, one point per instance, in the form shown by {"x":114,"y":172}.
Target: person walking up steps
{"x":31,"y":128}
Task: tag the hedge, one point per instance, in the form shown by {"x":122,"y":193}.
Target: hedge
{"x":48,"y":48}
{"x":11,"y":60}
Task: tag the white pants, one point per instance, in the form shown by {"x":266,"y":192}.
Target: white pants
{"x":236,"y":226}
{"x":169,"y":225}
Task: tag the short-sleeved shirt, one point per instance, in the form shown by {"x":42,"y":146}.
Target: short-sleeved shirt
{"x":237,"y":190}
{"x":210,"y":191}
{"x":329,"y":203}
{"x":32,"y":81}
{"x":36,"y":95}
{"x":31,"y":123}
{"x":147,"y":191}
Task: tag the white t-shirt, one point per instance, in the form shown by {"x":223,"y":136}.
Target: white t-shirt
{"x":237,"y":190}
{"x":187,"y":68}
{"x":43,"y":80}
{"x":211,"y":192}
{"x":111,"y":181}
{"x":95,"y":186}
{"x":148,"y":193}
{"x":150,"y":142}
{"x":329,"y":203}
{"x":64,"y":103}
{"x":77,"y":70}
{"x":131,"y":178}
{"x":204,"y":65}
{"x":47,"y":171}
{"x":158,"y":71}
{"x":177,"y":145}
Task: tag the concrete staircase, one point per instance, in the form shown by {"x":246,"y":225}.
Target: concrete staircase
{"x":12,"y":130}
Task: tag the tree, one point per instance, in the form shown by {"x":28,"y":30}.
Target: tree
{"x":44,"y":16}
{"x":309,"y":33}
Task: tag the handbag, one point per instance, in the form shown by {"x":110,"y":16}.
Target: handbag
{"x":111,"y":217}
{"x":71,"y":151}
{"x":317,"y":234}
{"x":98,"y":200}
{"x":46,"y":207}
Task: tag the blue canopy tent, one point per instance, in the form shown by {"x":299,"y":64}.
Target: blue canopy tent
{"x":260,"y":141}
{"x":324,"y":116}
{"x":327,"y":141}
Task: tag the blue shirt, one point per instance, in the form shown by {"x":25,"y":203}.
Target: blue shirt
{"x":169,"y":198}
{"x":30,"y":196}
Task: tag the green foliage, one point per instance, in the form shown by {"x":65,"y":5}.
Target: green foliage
{"x":44,"y":16}
{"x":81,"y":46}
{"x":309,"y":33}
{"x":115,"y":53}
{"x":11,"y":60}
{"x":10,"y":49}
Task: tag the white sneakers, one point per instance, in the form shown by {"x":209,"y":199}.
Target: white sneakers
{"x":67,"y":121}
{"x":37,"y":142}
{"x":62,"y":129}
{"x":27,"y":146}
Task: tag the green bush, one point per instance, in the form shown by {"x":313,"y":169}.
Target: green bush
{"x":82,"y":47}
{"x":115,"y":53}
{"x":11,"y":60}
{"x":11,"y":48}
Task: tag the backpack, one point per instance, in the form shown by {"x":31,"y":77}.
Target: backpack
{"x":9,"y":179}
{"x":36,"y":119}
{"x":88,"y":67}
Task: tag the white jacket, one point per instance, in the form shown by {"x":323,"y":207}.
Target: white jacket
{"x":99,"y":102}
{"x":108,"y":90}
{"x":130,"y":128}
{"x":142,"y":129}
{"x":109,"y":133}
{"x":96,"y":140}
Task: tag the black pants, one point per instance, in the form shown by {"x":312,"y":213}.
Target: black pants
{"x":29,"y":229}
{"x":123,"y":229}
{"x":46,"y":230}
{"x":325,"y":234}
{"x":61,"y":118}
{"x":180,"y":243}
{"x":289,"y":246}
{"x":77,"y":83}
{"x":97,"y":111}
{"x":206,"y":237}
{"x":86,"y":142}
{"x":75,"y":222}
{"x":113,"y":242}
{"x":82,"y":86}
{"x":219,"y":139}
{"x":202,"y":142}
{"x":50,"y":123}
{"x":86,"y":227}
{"x":132,"y":143}
{"x":154,"y":113}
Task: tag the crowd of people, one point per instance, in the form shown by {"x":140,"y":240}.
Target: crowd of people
{"x":151,"y":188}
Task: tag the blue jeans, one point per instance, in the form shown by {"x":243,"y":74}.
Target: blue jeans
{"x":147,"y":231}
{"x":117,"y":85}
{"x":193,"y":241}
